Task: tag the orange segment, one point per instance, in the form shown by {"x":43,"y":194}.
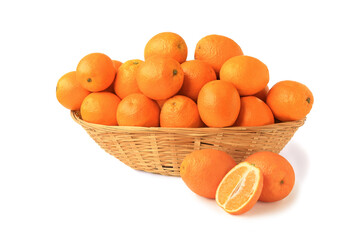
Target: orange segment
{"x":240,"y":189}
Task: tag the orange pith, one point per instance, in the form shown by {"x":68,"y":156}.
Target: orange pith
{"x":240,"y":188}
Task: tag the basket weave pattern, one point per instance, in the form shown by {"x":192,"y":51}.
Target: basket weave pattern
{"x":161,"y":150}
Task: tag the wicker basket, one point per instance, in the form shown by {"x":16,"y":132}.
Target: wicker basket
{"x":161,"y":150}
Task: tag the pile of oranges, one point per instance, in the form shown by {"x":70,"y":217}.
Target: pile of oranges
{"x":221,"y":87}
{"x":214,"y":174}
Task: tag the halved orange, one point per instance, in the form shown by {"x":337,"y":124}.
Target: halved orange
{"x":240,"y":189}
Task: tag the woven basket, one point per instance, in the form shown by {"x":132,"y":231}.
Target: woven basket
{"x":161,"y":150}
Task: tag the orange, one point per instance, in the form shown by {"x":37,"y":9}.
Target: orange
{"x":180,"y":111}
{"x":160,"y":77}
{"x":262,"y":94}
{"x":100,"y":108}
{"x":125,"y":81}
{"x":161,"y":102}
{"x":138,"y":110}
{"x":290,"y":100}
{"x":95,"y":72}
{"x":117,"y":64}
{"x":111,"y":89}
{"x":167,"y":44}
{"x":69,"y":91}
{"x":216,"y":50}
{"x":248,"y":74}
{"x":279,"y":176}
{"x":254,"y":112}
{"x":219,"y":104}
{"x":203,"y":170}
{"x":240,"y":189}
{"x":196,"y":74}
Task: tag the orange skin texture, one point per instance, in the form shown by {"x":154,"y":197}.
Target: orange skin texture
{"x":95,"y":72}
{"x":262,"y":94}
{"x":290,"y":100}
{"x":167,"y":44}
{"x":111,"y":89}
{"x":254,"y":112}
{"x":203,"y":170}
{"x":100,"y":108}
{"x":216,"y":50}
{"x":219,"y":104}
{"x":248,"y":180}
{"x":138,"y":110}
{"x":279,"y":176}
{"x":196,"y":74}
{"x":125,"y":81}
{"x":161,"y":102}
{"x":69,"y":91}
{"x":180,"y":111}
{"x":117,"y":64}
{"x":248,"y":74}
{"x":160,"y":78}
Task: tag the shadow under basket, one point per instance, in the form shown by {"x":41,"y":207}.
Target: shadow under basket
{"x":161,"y":150}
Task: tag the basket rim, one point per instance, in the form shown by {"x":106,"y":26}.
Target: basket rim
{"x":75,"y":114}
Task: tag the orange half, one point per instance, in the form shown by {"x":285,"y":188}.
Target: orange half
{"x":240,"y":189}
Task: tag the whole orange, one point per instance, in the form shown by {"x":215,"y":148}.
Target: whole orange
{"x":100,"y":108}
{"x":196,"y":74}
{"x":290,"y":100}
{"x":219,"y":104}
{"x":248,"y":74}
{"x":160,"y":77}
{"x":138,"y":110}
{"x":203,"y":170}
{"x":167,"y":44}
{"x":279,"y":176}
{"x":216,"y":50}
{"x":254,"y":112}
{"x":125,"y":81}
{"x":95,"y":72}
{"x":69,"y":91}
{"x":180,"y":111}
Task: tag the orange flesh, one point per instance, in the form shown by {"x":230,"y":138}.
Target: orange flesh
{"x":244,"y":192}
{"x":238,"y":188}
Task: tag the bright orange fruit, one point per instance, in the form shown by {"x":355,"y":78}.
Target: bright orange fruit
{"x":100,"y":108}
{"x":180,"y":111}
{"x":69,"y":91}
{"x":160,"y":77}
{"x":262,"y":94}
{"x":219,"y":104}
{"x":202,"y":170}
{"x":240,"y":189}
{"x":125,"y":81}
{"x":254,"y":112}
{"x":161,"y":102}
{"x":196,"y":74}
{"x":216,"y":50}
{"x":167,"y":44}
{"x":138,"y":110}
{"x":95,"y":72}
{"x":279,"y":176}
{"x":290,"y":100}
{"x":117,"y":64}
{"x":248,"y":74}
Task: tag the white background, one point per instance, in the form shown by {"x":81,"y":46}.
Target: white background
{"x":56,"y":183}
